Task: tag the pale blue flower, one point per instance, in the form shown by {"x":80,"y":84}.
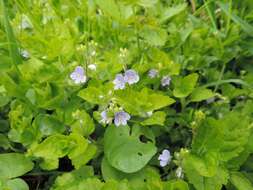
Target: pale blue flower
{"x":25,"y":54}
{"x":131,"y":76}
{"x":119,"y":82}
{"x":165,"y":81}
{"x":152,"y":73}
{"x":25,"y":24}
{"x":78,"y":75}
{"x":121,"y":118}
{"x":164,"y":158}
{"x":105,"y":119}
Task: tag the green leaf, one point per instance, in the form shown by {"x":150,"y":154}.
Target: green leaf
{"x":185,"y":86}
{"x":4,"y":142}
{"x":176,"y":185}
{"x":240,"y":181}
{"x":208,"y":137}
{"x":206,"y":165}
{"x":58,"y":146}
{"x":71,"y":180}
{"x":83,"y":123}
{"x":236,"y":132}
{"x":172,"y":11}
{"x":206,"y":183}
{"x":48,"y":125}
{"x":139,"y":103}
{"x":96,"y":93}
{"x":126,"y":152}
{"x":157,"y":118}
{"x":154,"y":36}
{"x":200,"y":94}
{"x":17,"y":184}
{"x":14,"y":165}
{"x":109,"y":7}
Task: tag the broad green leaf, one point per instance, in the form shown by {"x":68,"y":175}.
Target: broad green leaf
{"x":109,"y":7}
{"x":97,"y":93}
{"x":17,"y":184}
{"x":206,"y":183}
{"x":185,"y":86}
{"x":172,"y":11}
{"x":4,"y":141}
{"x":71,"y":180}
{"x":236,"y":132}
{"x":176,"y":185}
{"x":208,"y":137}
{"x":154,"y":36}
{"x":58,"y":146}
{"x":200,"y":94}
{"x":48,"y":125}
{"x":139,"y":103}
{"x":240,"y":181}
{"x":206,"y":165}
{"x":83,"y":123}
{"x":157,"y":118}
{"x":14,"y":165}
{"x":126,"y":152}
{"x":110,"y":172}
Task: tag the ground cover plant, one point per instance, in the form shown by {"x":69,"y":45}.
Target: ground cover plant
{"x":126,"y":94}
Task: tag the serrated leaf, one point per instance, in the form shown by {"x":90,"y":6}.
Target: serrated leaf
{"x":200,"y":94}
{"x":240,"y":181}
{"x":172,"y":11}
{"x":185,"y":86}
{"x":154,"y":36}
{"x":157,"y":118}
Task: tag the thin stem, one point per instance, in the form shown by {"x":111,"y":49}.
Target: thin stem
{"x":220,"y":76}
{"x":44,"y":173}
{"x":237,"y":81}
{"x":193,"y":5}
{"x":229,"y":17}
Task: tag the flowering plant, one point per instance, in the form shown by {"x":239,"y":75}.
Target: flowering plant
{"x":126,"y":95}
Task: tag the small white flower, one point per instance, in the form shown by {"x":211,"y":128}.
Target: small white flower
{"x":119,"y":82}
{"x":121,"y":118}
{"x":152,"y":73}
{"x":164,"y":158}
{"x":150,"y":113}
{"x":93,"y":53}
{"x":179,"y":172}
{"x":165,"y":81}
{"x":123,"y":52}
{"x":92,"y":67}
{"x":78,"y":75}
{"x":131,"y":76}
